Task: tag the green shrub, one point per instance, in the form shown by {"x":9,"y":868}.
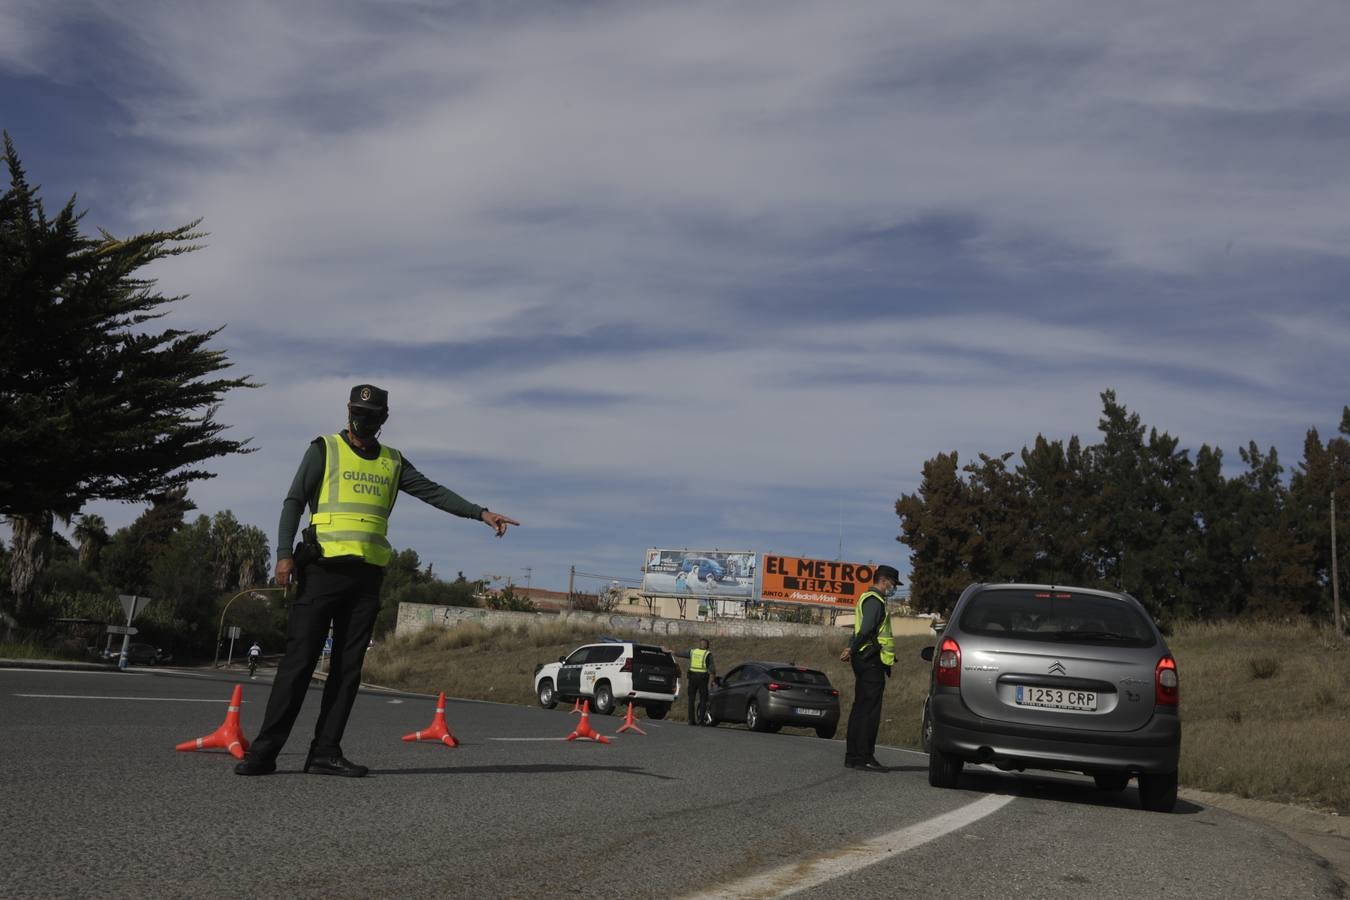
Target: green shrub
{"x":1263,"y":667}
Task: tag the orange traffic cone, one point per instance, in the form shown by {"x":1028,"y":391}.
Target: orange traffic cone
{"x":628,"y":723}
{"x":229,"y":736}
{"x":576,"y":706}
{"x":436,"y":731}
{"x":584,"y":729}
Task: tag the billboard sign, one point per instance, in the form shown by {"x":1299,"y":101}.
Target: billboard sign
{"x":699,"y":574}
{"x":817,"y":582}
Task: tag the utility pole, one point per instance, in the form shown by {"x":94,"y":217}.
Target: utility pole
{"x":527,"y":570}
{"x":1335,"y":574}
{"x":571,"y":586}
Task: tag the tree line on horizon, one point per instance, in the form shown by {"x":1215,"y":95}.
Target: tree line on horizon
{"x":1134,"y":512}
{"x":191,"y":570}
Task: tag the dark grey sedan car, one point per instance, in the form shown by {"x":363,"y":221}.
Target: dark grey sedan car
{"x":138,"y":654}
{"x":1048,"y":677}
{"x":768,"y":695}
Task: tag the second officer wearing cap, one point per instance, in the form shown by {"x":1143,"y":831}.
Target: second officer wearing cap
{"x":871,"y":653}
{"x":349,"y":481}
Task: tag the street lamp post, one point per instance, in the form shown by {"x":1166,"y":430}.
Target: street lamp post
{"x":221,"y":627}
{"x":1335,"y":575}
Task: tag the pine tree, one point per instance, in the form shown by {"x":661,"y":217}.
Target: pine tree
{"x":106,"y":405}
{"x":130,"y":557}
{"x":937,"y":524}
{"x":1324,"y":469}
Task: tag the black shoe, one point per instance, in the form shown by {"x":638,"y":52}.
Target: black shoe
{"x":851,"y":764}
{"x":871,"y":766}
{"x":334,"y":765}
{"x":256,"y":765}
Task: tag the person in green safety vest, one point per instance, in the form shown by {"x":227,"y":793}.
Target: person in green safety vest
{"x":349,"y":481}
{"x":871,"y":653}
{"x":701,"y":671}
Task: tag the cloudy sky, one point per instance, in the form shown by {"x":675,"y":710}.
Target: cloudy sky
{"x":721,"y":275}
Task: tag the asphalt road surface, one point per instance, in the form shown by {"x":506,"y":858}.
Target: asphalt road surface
{"x":94,"y":801}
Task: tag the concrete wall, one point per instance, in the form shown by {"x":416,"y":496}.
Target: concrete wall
{"x":413,"y":617}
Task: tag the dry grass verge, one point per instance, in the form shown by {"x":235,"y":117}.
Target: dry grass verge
{"x":1266,"y":707}
{"x":1266,"y":712}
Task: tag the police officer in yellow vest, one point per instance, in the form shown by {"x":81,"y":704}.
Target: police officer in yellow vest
{"x":349,"y":481}
{"x":701,"y":669}
{"x":872,"y":653}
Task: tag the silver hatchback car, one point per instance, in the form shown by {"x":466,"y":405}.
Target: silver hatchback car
{"x":1048,"y":677}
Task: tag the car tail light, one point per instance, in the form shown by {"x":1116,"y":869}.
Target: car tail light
{"x":833,"y":692}
{"x":775,"y":686}
{"x":948,"y":664}
{"x":627,"y":665}
{"x":1166,"y":684}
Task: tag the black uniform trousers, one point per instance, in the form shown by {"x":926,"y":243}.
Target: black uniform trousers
{"x":698,"y":695}
{"x":864,"y":719}
{"x":345,"y":593}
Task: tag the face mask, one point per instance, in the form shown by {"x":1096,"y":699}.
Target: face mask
{"x":366,"y":425}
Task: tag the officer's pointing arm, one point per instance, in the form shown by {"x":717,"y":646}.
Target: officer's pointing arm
{"x":411,"y":481}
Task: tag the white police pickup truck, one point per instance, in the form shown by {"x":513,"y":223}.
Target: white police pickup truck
{"x":610,"y":674}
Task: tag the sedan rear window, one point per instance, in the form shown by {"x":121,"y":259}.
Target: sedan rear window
{"x":1052,"y":615}
{"x":799,"y":676}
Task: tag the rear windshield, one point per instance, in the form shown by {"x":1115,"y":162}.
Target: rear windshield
{"x":652,"y":656}
{"x":799,"y":676}
{"x":1056,"y":616}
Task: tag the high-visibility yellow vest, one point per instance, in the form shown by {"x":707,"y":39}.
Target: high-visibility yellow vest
{"x":698,"y":660}
{"x":355,"y":499}
{"x":884,"y":638}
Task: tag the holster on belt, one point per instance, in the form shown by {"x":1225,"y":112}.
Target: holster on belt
{"x":307,"y":551}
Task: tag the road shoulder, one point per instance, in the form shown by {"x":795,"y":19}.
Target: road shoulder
{"x":1326,"y":834}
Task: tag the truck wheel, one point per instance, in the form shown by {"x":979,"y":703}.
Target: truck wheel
{"x":604,"y":699}
{"x":657,"y":710}
{"x":547,"y":698}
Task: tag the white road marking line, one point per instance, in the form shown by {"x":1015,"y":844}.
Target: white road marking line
{"x":612,"y":738}
{"x":92,"y":697}
{"x":159,"y":670}
{"x":789,"y":879}
{"x":531,"y":739}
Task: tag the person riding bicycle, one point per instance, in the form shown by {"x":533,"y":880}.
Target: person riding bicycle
{"x":254,"y":653}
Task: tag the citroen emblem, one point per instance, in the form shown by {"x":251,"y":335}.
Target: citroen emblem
{"x":1057,"y":668}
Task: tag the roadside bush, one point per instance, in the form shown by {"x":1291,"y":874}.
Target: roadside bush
{"x":1264,"y":667}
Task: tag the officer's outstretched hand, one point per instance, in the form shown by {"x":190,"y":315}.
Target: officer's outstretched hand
{"x":846,"y":655}
{"x":497,"y":522}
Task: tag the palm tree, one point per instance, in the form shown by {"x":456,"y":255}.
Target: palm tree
{"x":253,"y":556}
{"x":92,"y":534}
{"x":225,"y":533}
{"x":30,"y":540}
